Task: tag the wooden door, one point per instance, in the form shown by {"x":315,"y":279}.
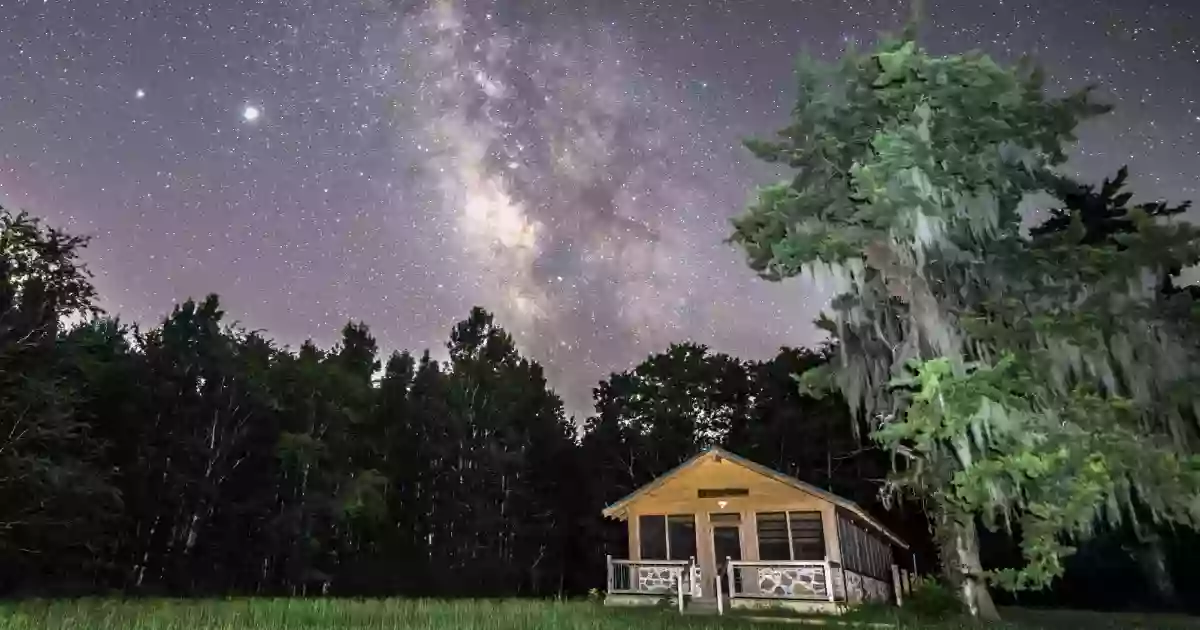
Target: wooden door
{"x":726,"y":532}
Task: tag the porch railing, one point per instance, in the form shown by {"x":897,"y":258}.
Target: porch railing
{"x":819,"y":580}
{"x":652,"y":577}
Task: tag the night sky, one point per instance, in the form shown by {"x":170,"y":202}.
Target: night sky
{"x":571,"y":166}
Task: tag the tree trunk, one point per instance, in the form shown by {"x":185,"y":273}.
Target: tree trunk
{"x":959,"y":548}
{"x":957,"y":536}
{"x":974,"y":590}
{"x":1151,"y":556}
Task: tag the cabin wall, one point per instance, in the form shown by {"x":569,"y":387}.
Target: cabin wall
{"x":635,"y":541}
{"x":866,"y":555}
{"x":680,"y":495}
{"x":869,"y":559}
{"x":833,"y":543}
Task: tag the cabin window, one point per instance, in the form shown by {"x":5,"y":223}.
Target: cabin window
{"x":790,"y":536}
{"x":681,"y":537}
{"x":773,"y":543}
{"x":671,"y":537}
{"x":808,"y":536}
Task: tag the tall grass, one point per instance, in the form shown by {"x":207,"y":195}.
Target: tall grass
{"x":413,"y":614}
{"x":340,"y":614}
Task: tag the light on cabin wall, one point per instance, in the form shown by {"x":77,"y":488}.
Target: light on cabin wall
{"x":722,"y":504}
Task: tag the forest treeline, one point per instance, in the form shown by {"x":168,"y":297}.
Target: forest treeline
{"x":200,"y":458}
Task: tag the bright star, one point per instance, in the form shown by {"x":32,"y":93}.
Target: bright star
{"x":251,"y":113}
{"x":139,"y":94}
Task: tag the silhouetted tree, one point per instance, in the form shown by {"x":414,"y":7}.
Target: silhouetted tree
{"x":55,"y":490}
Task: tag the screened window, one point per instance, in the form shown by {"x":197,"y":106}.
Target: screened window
{"x":681,"y":537}
{"x":808,"y":536}
{"x":790,"y":536}
{"x":652,"y":532}
{"x":667,"y":537}
{"x":773,"y":541}
{"x":863,"y":552}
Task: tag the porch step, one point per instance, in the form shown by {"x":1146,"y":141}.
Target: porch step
{"x":701,"y":606}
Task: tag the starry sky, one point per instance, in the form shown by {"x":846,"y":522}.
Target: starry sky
{"x":571,"y":165}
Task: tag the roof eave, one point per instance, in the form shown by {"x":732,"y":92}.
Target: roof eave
{"x":620,"y":509}
{"x":616,"y":514}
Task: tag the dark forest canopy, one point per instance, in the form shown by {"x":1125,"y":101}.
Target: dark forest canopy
{"x":198,"y":458}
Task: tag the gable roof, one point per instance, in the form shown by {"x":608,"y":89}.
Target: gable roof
{"x":619,"y":510}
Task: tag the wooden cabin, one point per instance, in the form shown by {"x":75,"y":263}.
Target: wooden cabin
{"x":722,"y":531}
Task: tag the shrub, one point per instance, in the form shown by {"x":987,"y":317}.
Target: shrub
{"x":931,"y":599}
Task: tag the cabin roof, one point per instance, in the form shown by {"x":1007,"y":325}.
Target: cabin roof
{"x":620,"y":509}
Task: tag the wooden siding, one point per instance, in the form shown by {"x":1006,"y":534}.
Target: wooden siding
{"x":635,"y":541}
{"x":680,"y":495}
{"x":860,"y":543}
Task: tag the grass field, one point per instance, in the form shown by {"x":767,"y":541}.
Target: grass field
{"x":324,"y":614}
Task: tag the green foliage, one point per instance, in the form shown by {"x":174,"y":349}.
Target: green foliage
{"x":1012,"y":459}
{"x":903,"y":146}
{"x":1104,"y":220}
{"x":932,"y":600}
{"x":1032,"y":382}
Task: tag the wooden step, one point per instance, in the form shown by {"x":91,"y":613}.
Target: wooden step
{"x":702,"y":605}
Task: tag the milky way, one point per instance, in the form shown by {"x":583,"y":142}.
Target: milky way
{"x":570,"y":166}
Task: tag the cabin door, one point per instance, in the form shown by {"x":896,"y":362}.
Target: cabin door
{"x":726,"y":545}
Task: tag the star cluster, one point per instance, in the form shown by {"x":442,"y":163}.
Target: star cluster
{"x":571,"y":166}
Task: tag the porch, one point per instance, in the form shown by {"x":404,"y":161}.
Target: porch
{"x":650,"y":582}
{"x":800,"y":585}
{"x":722,"y":532}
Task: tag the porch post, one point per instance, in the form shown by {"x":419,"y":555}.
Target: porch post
{"x":720,"y":600}
{"x":694,"y":579}
{"x":679,"y":588}
{"x":896,"y":585}
{"x":845,"y":585}
{"x":829,"y":580}
{"x":730,"y":569}
{"x":609,"y":566}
